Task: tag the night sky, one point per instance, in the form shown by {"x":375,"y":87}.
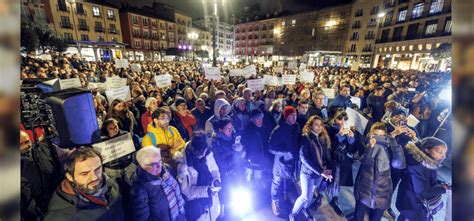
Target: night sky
{"x":240,"y":8}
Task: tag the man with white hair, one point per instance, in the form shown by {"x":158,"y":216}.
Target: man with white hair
{"x":155,"y":194}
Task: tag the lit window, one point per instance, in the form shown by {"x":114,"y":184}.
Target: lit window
{"x":283,"y":23}
{"x":410,"y":47}
{"x":428,"y":46}
{"x":420,"y":47}
{"x":293,"y":22}
{"x":447,"y":27}
{"x":96,"y":11}
{"x":436,"y":6}
{"x":431,"y":29}
{"x":403,"y":15}
{"x":417,"y":10}
{"x":403,"y":48}
{"x":110,"y":14}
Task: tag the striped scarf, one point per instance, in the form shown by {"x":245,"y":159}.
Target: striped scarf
{"x":173,"y":194}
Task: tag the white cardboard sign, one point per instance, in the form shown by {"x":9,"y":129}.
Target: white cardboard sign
{"x":122,"y":93}
{"x":270,"y":80}
{"x":212,"y":73}
{"x":307,"y":76}
{"x":412,"y":121}
{"x":288,"y":79}
{"x":121,"y":63}
{"x":302,"y":67}
{"x":256,"y":84}
{"x":115,"y":82}
{"x":236,"y":72}
{"x":135,"y":67}
{"x":69,"y":83}
{"x":355,"y":119}
{"x":329,"y":92}
{"x":249,"y":71}
{"x":163,"y":80}
{"x":115,"y":148}
{"x":279,"y":69}
{"x":356,"y":101}
{"x":292,"y":65}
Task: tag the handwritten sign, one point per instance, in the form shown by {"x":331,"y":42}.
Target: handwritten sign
{"x":249,"y":71}
{"x":302,"y":67}
{"x":355,"y":66}
{"x":121,"y":63}
{"x":236,"y":72}
{"x":356,"y":101}
{"x":115,"y":148}
{"x":357,"y":120}
{"x":163,"y":80}
{"x":270,"y":80}
{"x":46,"y":57}
{"x":136,"y":67}
{"x":307,"y":76}
{"x":412,"y":121}
{"x":288,"y":79}
{"x":292,"y":65}
{"x":122,"y":93}
{"x":212,"y":73}
{"x":268,"y":64}
{"x":279,"y":69}
{"x":256,"y":84}
{"x":69,"y":83}
{"x":329,"y":92}
{"x":115,"y":82}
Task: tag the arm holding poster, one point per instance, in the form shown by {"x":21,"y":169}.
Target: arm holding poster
{"x":357,"y":120}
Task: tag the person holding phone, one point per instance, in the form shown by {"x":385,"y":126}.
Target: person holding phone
{"x":343,"y":142}
{"x":373,"y":187}
{"x":316,"y":165}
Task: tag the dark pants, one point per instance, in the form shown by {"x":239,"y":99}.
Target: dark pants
{"x":396,"y":175}
{"x":410,"y":215}
{"x":361,"y":209}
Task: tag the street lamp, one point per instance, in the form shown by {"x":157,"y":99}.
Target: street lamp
{"x":193,"y":36}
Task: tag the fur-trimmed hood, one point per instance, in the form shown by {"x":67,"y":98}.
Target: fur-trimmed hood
{"x":421,"y":157}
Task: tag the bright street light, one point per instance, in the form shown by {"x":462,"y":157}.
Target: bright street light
{"x":381,"y":15}
{"x":193,"y":35}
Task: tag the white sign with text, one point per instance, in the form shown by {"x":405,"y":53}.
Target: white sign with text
{"x":288,"y":79}
{"x":163,"y":80}
{"x":115,"y":148}
{"x":212,"y":73}
{"x":256,"y":84}
{"x":122,"y":93}
{"x":69,"y":83}
{"x":121,"y":63}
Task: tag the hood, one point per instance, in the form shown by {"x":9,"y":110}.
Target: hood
{"x":421,"y":157}
{"x":237,"y":102}
{"x":219,"y":104}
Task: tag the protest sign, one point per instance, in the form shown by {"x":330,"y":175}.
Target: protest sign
{"x":46,"y":57}
{"x":355,"y":119}
{"x":279,"y":69}
{"x":292,"y":65}
{"x":355,"y":66}
{"x":302,"y":67}
{"x":115,"y":82}
{"x":356,"y":101}
{"x":163,"y":80}
{"x":249,"y":71}
{"x":307,"y":76}
{"x":69,"y":83}
{"x":270,"y":80}
{"x":329,"y":92}
{"x":288,"y":79}
{"x":412,"y":121}
{"x":136,"y":67}
{"x":212,"y":73}
{"x":236,"y":72}
{"x":115,"y":148}
{"x":122,"y":93}
{"x":121,"y":63}
{"x":267,"y":64}
{"x":256,"y":84}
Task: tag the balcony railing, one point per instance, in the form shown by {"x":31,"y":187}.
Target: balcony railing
{"x":371,"y":24}
{"x":81,"y":12}
{"x":63,"y":9}
{"x":355,"y":26}
{"x":354,"y":39}
{"x":83,"y":27}
{"x":369,"y":37}
{"x":111,"y":17}
{"x":99,"y":29}
{"x":114,"y":31}
{"x":66,"y":25}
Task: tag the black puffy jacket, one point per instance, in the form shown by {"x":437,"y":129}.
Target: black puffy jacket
{"x":310,"y":164}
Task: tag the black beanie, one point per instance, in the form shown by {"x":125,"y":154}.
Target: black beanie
{"x":179,"y":101}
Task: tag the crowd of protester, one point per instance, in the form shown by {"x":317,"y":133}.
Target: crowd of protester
{"x":196,"y":138}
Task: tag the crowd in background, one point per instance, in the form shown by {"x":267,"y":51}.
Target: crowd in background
{"x":196,"y":138}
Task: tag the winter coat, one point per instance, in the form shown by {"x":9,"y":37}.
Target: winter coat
{"x":183,"y":124}
{"x":201,"y":117}
{"x":283,"y":143}
{"x":310,"y":164}
{"x":148,"y":199}
{"x":145,"y":120}
{"x":419,"y":181}
{"x":373,"y":186}
{"x":212,"y":121}
{"x":321,"y":112}
{"x":66,"y":205}
{"x":377,"y":104}
{"x":223,"y":153}
{"x":340,"y":148}
{"x":240,"y":121}
{"x":170,"y":137}
{"x":188,"y":178}
{"x":302,"y":119}
{"x":255,"y":141}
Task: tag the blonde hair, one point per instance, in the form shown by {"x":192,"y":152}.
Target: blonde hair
{"x":309,"y":124}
